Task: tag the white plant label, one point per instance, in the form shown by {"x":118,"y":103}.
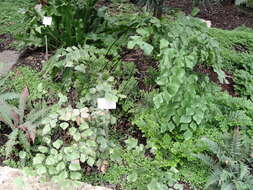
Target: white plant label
{"x":105,"y":104}
{"x":47,"y":20}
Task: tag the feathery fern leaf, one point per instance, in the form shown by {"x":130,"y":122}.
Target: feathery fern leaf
{"x":9,"y":146}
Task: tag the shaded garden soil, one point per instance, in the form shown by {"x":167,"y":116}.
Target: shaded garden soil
{"x":226,"y":16}
{"x":213,"y":77}
{"x":5,"y":41}
{"x":143,"y":63}
{"x":33,"y":58}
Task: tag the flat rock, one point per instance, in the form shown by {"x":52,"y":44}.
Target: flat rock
{"x":7,"y":59}
{"x":10,"y":176}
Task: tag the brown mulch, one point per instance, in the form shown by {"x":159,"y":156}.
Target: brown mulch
{"x":33,"y":58}
{"x":143,"y":63}
{"x":213,"y":76}
{"x":5,"y":41}
{"x":225,"y":16}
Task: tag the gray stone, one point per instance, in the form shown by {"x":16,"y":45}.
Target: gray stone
{"x":9,"y":177}
{"x":7,"y":59}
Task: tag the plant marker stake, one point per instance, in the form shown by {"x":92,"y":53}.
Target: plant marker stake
{"x":47,"y":21}
{"x":46,"y":48}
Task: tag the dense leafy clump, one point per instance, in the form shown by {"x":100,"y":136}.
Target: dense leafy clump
{"x":72,"y":21}
{"x":229,"y":163}
{"x":185,"y":103}
{"x":181,"y":105}
{"x":236,"y":49}
{"x":71,"y":137}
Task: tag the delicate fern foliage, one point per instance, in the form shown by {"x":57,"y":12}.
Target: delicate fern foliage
{"x":15,"y":117}
{"x":227,"y":162}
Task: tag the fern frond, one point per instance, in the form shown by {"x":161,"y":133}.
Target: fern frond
{"x":6,"y":114}
{"x":206,"y":159}
{"x":34,"y":116}
{"x":212,"y":146}
{"x":236,"y":146}
{"x":23,"y":141}
{"x":213,"y":180}
{"x":227,"y":186}
{"x":9,"y":146}
{"x":244,"y":171}
{"x":22,"y":103}
{"x":9,"y":96}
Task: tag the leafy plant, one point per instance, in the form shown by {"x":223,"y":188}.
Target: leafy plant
{"x":72,"y":21}
{"x":14,"y":117}
{"x":228,"y":162}
{"x":155,"y":6}
{"x":248,"y":3}
{"x":181,"y":104}
{"x":138,"y":171}
{"x":71,"y":138}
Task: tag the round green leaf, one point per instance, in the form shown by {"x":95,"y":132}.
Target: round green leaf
{"x":75,"y":175}
{"x":74,"y":167}
{"x":57,"y":144}
{"x":64,"y":125}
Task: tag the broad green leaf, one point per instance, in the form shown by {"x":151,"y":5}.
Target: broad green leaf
{"x":87,"y":133}
{"x":72,"y":131}
{"x":83,"y":158}
{"x":60,"y":166}
{"x":74,"y":166}
{"x":185,"y":119}
{"x":158,"y":100}
{"x":63,"y":175}
{"x":41,"y":169}
{"x":187,"y":135}
{"x":64,"y":125}
{"x":46,"y":130}
{"x":155,"y":185}
{"x":52,"y":170}
{"x":43,"y":149}
{"x":38,"y":159}
{"x":77,"y":136}
{"x":131,"y":143}
{"x":198,"y":117}
{"x":73,"y":156}
{"x":57,"y":144}
{"x":164,"y":43}
{"x":81,"y":68}
{"x":22,"y":154}
{"x":90,"y":161}
{"x":75,"y":175}
{"x":147,"y":48}
{"x":84,"y":126}
{"x":132,"y":177}
{"x":51,"y":160}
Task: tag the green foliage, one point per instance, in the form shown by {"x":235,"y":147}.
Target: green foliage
{"x":137,"y":171}
{"x":38,"y":88}
{"x":71,"y":137}
{"x":181,"y":105}
{"x":155,"y":6}
{"x":248,"y":3}
{"x":79,"y":68}
{"x":228,"y":161}
{"x":237,"y":50}
{"x":72,"y":22}
{"x":11,"y":14}
{"x":19,"y":122}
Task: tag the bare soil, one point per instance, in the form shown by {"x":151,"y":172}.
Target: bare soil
{"x":225,"y":16}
